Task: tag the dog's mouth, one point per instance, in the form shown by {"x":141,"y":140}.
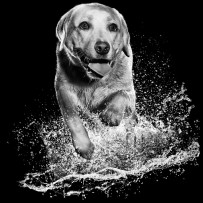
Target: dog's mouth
{"x":96,"y":68}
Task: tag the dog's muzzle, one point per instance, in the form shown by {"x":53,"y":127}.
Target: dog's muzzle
{"x":100,"y":67}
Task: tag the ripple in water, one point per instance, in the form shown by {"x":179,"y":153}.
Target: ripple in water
{"x":164,"y":137}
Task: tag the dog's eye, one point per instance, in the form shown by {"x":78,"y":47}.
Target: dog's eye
{"x":113,"y":27}
{"x":84,"y":25}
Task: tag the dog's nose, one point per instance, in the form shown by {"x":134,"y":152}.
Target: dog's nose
{"x":102,"y":48}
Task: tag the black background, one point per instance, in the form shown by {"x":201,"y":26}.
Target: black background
{"x":29,"y":61}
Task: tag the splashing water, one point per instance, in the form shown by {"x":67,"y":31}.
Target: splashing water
{"x":164,"y":137}
{"x":116,"y":156}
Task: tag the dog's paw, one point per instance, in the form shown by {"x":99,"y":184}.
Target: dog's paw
{"x":86,"y":151}
{"x":83,"y":146}
{"x":111,"y":117}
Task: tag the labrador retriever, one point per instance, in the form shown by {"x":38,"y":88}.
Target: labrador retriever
{"x":94,"y":70}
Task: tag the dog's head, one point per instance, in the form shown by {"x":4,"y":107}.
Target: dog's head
{"x":93,"y":35}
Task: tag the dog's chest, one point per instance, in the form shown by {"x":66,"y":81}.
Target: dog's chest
{"x":91,"y":97}
{"x":99,"y":95}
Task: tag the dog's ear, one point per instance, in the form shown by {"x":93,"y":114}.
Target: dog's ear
{"x":62,"y":27}
{"x":126,"y":37}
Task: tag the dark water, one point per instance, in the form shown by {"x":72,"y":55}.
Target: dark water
{"x":166,"y":139}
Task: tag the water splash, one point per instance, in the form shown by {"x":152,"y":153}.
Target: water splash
{"x":153,"y":145}
{"x":164,"y":138}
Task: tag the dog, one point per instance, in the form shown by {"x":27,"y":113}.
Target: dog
{"x":94,"y":70}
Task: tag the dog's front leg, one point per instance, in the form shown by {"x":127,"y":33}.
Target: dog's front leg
{"x":117,"y":106}
{"x":81,"y":141}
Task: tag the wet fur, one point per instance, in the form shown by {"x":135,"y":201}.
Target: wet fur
{"x":112,"y":96}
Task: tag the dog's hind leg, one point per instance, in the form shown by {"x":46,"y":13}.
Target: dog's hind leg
{"x":130,"y":124}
